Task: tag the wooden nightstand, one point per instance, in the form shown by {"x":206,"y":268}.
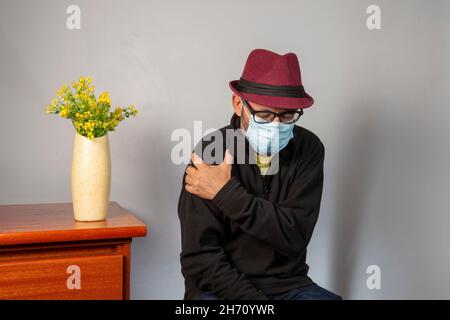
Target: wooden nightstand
{"x":46,"y":254}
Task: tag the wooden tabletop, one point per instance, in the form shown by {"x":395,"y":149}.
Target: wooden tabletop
{"x":54,"y":222}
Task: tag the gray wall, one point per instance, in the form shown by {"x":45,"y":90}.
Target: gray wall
{"x":381,"y":110}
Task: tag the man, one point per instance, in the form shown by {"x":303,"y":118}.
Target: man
{"x":245,"y":225}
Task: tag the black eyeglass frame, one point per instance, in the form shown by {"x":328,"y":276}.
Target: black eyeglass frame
{"x":275,"y":114}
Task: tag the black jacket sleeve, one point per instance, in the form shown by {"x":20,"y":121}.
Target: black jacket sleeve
{"x":203,"y":258}
{"x":288,"y":224}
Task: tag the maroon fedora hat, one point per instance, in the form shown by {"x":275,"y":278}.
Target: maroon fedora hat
{"x":272,"y":80}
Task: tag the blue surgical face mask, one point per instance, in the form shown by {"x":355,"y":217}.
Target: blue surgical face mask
{"x":268,"y":138}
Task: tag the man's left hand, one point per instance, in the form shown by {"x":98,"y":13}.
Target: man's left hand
{"x":206,"y":180}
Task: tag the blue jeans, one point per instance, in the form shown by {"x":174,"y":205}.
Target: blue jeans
{"x":309,"y":292}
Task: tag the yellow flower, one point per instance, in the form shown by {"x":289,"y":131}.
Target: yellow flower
{"x":50,"y":109}
{"x":63,"y":90}
{"x":83,"y":83}
{"x":104,"y":98}
{"x":77,"y":125}
{"x":133,"y":110}
{"x":117,"y":114}
{"x":92,"y":103}
{"x":64,"y":112}
{"x":88,"y":126}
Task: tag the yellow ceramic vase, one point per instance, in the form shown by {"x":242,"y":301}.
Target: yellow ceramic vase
{"x":90,"y":178}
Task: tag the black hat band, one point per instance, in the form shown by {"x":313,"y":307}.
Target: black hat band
{"x":270,"y":90}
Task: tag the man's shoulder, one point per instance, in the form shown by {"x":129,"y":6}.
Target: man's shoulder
{"x":212,"y":134}
{"x":306,"y":137}
{"x":215,"y":139}
{"x":307,"y":144}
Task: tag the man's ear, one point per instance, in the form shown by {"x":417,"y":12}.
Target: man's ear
{"x":237,"y":105}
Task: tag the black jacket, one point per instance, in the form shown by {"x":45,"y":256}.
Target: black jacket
{"x":251,"y":238}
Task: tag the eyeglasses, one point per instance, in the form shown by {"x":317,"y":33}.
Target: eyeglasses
{"x":267,"y":116}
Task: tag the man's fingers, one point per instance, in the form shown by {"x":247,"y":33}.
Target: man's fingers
{"x":189,"y":188}
{"x":189,"y":180}
{"x":190,"y":168}
{"x":196,"y":159}
{"x":228,"y":159}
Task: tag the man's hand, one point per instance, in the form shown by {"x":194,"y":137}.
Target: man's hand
{"x":206,"y":180}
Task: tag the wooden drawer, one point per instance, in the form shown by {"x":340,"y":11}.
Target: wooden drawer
{"x":88,"y":277}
